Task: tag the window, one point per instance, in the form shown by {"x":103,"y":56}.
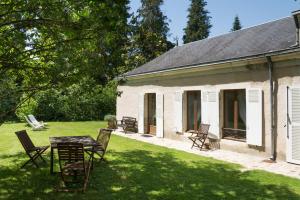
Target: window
{"x":151,"y":113}
{"x":193,"y":110}
{"x":234,"y":114}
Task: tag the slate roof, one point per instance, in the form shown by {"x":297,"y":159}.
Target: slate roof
{"x":269,"y":37}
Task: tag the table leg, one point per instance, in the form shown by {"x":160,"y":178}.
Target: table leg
{"x":51,"y":161}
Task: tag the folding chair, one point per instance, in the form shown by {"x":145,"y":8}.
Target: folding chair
{"x":102,"y":140}
{"x":34,"y":127}
{"x":36,"y":122}
{"x":32,"y":151}
{"x":198,"y":138}
{"x":73,"y":168}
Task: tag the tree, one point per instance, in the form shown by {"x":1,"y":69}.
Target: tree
{"x":149,"y":33}
{"x":236,"y":24}
{"x":198,"y":25}
{"x":55,"y":43}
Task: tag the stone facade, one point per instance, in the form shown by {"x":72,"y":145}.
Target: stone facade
{"x":234,"y":75}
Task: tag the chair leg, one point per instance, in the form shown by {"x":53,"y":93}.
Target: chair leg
{"x":32,"y":159}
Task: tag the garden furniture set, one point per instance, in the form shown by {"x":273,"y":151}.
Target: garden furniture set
{"x":74,"y":165}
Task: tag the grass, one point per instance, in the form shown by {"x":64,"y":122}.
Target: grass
{"x":135,"y":170}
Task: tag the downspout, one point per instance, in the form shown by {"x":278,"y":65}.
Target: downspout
{"x":272,"y":128}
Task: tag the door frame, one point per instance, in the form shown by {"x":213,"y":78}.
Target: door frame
{"x":195,"y":109}
{"x":148,"y":113}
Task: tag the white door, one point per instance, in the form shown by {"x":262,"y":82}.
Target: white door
{"x":159,"y":115}
{"x":254,"y":116}
{"x":178,"y":106}
{"x":210,"y":111}
{"x":293,"y":134}
{"x":141,"y":115}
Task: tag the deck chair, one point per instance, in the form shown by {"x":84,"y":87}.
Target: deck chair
{"x":36,"y":122}
{"x":34,"y":126}
{"x":198,"y":138}
{"x":102,"y":140}
{"x":74,"y":169}
{"x":32,"y":151}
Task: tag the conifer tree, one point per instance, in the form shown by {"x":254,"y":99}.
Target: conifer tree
{"x":150,"y":32}
{"x":198,"y":24}
{"x":236,"y":24}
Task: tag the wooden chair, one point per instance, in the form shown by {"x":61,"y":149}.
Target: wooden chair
{"x":73,"y":167}
{"x":103,"y":140}
{"x":128,"y":124}
{"x":198,"y":138}
{"x":32,"y":151}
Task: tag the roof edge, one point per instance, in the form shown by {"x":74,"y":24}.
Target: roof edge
{"x":273,"y":53}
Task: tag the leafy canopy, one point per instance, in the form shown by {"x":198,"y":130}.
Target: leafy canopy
{"x":54,"y":43}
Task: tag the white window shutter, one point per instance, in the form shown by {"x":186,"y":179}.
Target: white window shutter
{"x":141,"y":115}
{"x":293,"y":145}
{"x":178,"y":96}
{"x":159,"y":115}
{"x":254,"y":116}
{"x":210,"y":111}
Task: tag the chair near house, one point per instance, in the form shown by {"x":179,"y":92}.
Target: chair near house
{"x":102,"y":140}
{"x":128,"y":124}
{"x":198,"y":138}
{"x":35,"y":127}
{"x":32,"y":151}
{"x":74,"y":169}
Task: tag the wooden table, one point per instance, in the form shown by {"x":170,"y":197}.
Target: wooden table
{"x":85,"y":140}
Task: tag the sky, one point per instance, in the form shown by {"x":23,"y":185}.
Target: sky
{"x":222,"y":12}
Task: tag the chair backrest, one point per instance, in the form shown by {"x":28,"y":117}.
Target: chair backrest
{"x":104,"y":137}
{"x":70,"y":152}
{"x":30,"y":123}
{"x":25,"y":140}
{"x":203,"y":129}
{"x":33,"y":120}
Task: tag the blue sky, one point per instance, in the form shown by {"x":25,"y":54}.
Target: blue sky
{"x":251,"y":13}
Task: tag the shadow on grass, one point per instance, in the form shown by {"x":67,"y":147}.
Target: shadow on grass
{"x":140,"y":174}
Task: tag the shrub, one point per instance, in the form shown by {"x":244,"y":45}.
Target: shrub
{"x":109,"y":117}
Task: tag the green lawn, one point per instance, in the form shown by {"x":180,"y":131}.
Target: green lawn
{"x":135,"y":170}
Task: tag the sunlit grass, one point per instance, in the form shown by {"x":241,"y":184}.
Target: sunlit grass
{"x":135,"y":170}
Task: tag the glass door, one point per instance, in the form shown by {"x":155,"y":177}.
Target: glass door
{"x":193,"y":110}
{"x":152,"y":113}
{"x":235,"y":114}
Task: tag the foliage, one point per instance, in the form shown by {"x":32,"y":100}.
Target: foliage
{"x":135,"y":170}
{"x":149,"y":33}
{"x":82,"y":101}
{"x":52,"y":44}
{"x":9,"y":98}
{"x":26,"y":108}
{"x":236,"y":24}
{"x":198,"y":24}
{"x":109,"y":117}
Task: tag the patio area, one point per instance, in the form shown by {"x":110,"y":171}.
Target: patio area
{"x":249,"y":162}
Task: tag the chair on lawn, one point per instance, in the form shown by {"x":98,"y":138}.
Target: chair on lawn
{"x":198,"y":138}
{"x":32,"y":151}
{"x":34,"y":126}
{"x":128,"y":124}
{"x":36,"y":122}
{"x":74,"y":169}
{"x":102,"y":140}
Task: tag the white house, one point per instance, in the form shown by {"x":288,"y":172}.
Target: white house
{"x":245,"y":84}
